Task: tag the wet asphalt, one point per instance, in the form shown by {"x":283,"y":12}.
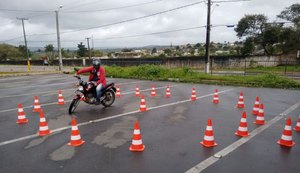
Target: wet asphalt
{"x":171,"y":131}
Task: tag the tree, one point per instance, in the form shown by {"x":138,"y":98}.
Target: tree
{"x":82,"y":50}
{"x":49,"y":49}
{"x":248,"y":47}
{"x":22,"y":50}
{"x":154,"y":50}
{"x":168,"y":52}
{"x":291,"y":13}
{"x":126,"y":50}
{"x":98,"y":53}
{"x":8,"y":51}
{"x":260,"y":32}
{"x":290,"y":36}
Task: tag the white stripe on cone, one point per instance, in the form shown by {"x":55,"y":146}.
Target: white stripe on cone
{"x":136,"y":132}
{"x":42,"y":119}
{"x":209,"y":128}
{"x":43,"y":128}
{"x":20,"y":110}
{"x":260,"y":118}
{"x":137,"y":142}
{"x":74,"y":128}
{"x":286,"y":138}
{"x":208,"y":138}
{"x":75,"y":138}
{"x":288,"y":128}
{"x":243,"y":129}
{"x":20,"y":117}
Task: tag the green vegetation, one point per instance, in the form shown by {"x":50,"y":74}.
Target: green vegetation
{"x":153,"y":72}
{"x":272,"y":37}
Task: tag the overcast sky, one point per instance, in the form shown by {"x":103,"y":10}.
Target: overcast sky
{"x":73,"y":16}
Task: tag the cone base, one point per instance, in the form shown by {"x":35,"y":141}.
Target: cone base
{"x":22,"y":121}
{"x":76,"y":145}
{"x":193,"y":99}
{"x":240,"y":106}
{"x":138,"y":150}
{"x":259,"y":123}
{"x":168,"y":96}
{"x":44,"y":133}
{"x":208,"y":145}
{"x":36,"y":110}
{"x":137,"y":95}
{"x":254,"y":113}
{"x":286,"y":145}
{"x":215,"y":102}
{"x":242,"y":135}
{"x":297,"y":129}
{"x":153,"y":95}
{"x":61,"y":103}
{"x":143,"y":110}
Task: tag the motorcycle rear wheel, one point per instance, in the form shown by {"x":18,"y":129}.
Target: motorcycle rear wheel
{"x":109,"y":98}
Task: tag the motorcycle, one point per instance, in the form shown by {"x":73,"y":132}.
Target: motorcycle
{"x":86,"y":92}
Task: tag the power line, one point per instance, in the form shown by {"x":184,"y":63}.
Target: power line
{"x":124,"y":21}
{"x":32,"y":11}
{"x":132,"y":36}
{"x":114,"y":8}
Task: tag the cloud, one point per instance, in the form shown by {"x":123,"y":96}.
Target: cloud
{"x":39,"y":23}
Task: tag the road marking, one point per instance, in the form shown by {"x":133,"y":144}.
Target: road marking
{"x":37,"y":86}
{"x":50,"y":92}
{"x":108,"y":118}
{"x":213,"y":159}
{"x":66,"y":101}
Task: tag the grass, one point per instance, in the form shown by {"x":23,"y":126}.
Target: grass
{"x":154,"y":72}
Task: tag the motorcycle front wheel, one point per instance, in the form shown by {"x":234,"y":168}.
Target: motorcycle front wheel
{"x":73,"y":105}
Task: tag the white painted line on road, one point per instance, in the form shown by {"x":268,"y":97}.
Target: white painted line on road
{"x":66,"y":101}
{"x":19,"y":95}
{"x":108,"y":118}
{"x":37,"y":86}
{"x":213,"y":159}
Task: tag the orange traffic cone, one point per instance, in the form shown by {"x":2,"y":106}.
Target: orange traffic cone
{"x":256,"y":106}
{"x":208,"y":140}
{"x":75,"y":135}
{"x":193,"y":97}
{"x":243,"y":129}
{"x":153,"y":92}
{"x":143,"y":107}
{"x":137,"y":91}
{"x":286,"y":137}
{"x":241,"y":101}
{"x":260,"y":116}
{"x":216,"y":97}
{"x":118,"y":92}
{"x":61,"y":100}
{"x":36,"y":105}
{"x":44,"y":129}
{"x":297,"y":128}
{"x":21,"y":115}
{"x":168,"y":92}
{"x":137,"y":143}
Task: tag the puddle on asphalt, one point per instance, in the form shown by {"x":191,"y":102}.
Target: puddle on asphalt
{"x":58,"y":122}
{"x":63,"y":153}
{"x":36,"y":142}
{"x":118,"y":134}
{"x":178,"y":114}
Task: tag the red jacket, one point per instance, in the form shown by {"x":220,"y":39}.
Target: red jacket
{"x":100,"y":73}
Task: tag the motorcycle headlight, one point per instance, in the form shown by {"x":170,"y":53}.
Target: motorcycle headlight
{"x":80,"y":88}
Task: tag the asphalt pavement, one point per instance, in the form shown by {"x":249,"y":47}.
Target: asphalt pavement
{"x":171,"y":129}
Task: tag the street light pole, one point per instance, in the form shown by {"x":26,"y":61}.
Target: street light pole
{"x":27,"y":53}
{"x":207,"y":58}
{"x":88,"y":43}
{"x":58,"y":40}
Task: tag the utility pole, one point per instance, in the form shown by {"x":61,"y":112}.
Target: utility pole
{"x":207,"y":58}
{"x":58,"y":39}
{"x":27,"y":52}
{"x":88,"y":43}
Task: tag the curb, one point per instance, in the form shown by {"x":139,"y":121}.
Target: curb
{"x":30,"y":74}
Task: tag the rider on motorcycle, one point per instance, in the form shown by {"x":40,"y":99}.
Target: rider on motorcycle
{"x":97,"y":76}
